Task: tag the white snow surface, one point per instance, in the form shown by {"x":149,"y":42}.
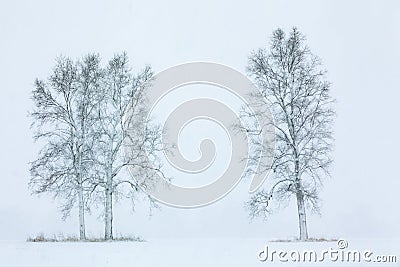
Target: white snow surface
{"x":178,"y":252}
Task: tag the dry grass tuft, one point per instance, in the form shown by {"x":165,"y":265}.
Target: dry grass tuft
{"x":311,"y":239}
{"x":61,"y":238}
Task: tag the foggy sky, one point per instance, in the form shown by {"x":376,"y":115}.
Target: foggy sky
{"x":358,"y":42}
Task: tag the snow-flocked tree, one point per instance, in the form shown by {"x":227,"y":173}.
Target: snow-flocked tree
{"x":294,"y":87}
{"x":122,"y":123}
{"x":64,"y":117}
{"x":93,"y":124}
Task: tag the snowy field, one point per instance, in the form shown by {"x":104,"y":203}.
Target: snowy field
{"x":179,"y":252}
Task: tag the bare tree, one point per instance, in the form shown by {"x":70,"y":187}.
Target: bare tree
{"x":121,"y":122}
{"x":293,"y":86}
{"x":93,"y":121}
{"x":64,"y":117}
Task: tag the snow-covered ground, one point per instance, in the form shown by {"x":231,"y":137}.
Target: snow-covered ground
{"x":180,"y":252}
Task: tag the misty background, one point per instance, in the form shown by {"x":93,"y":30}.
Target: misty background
{"x":358,"y":42}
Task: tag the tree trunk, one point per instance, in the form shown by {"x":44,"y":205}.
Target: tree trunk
{"x":82,"y":234}
{"x":301,"y":209}
{"x":108,"y":235}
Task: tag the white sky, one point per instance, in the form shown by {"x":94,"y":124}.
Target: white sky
{"x":358,"y":41}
